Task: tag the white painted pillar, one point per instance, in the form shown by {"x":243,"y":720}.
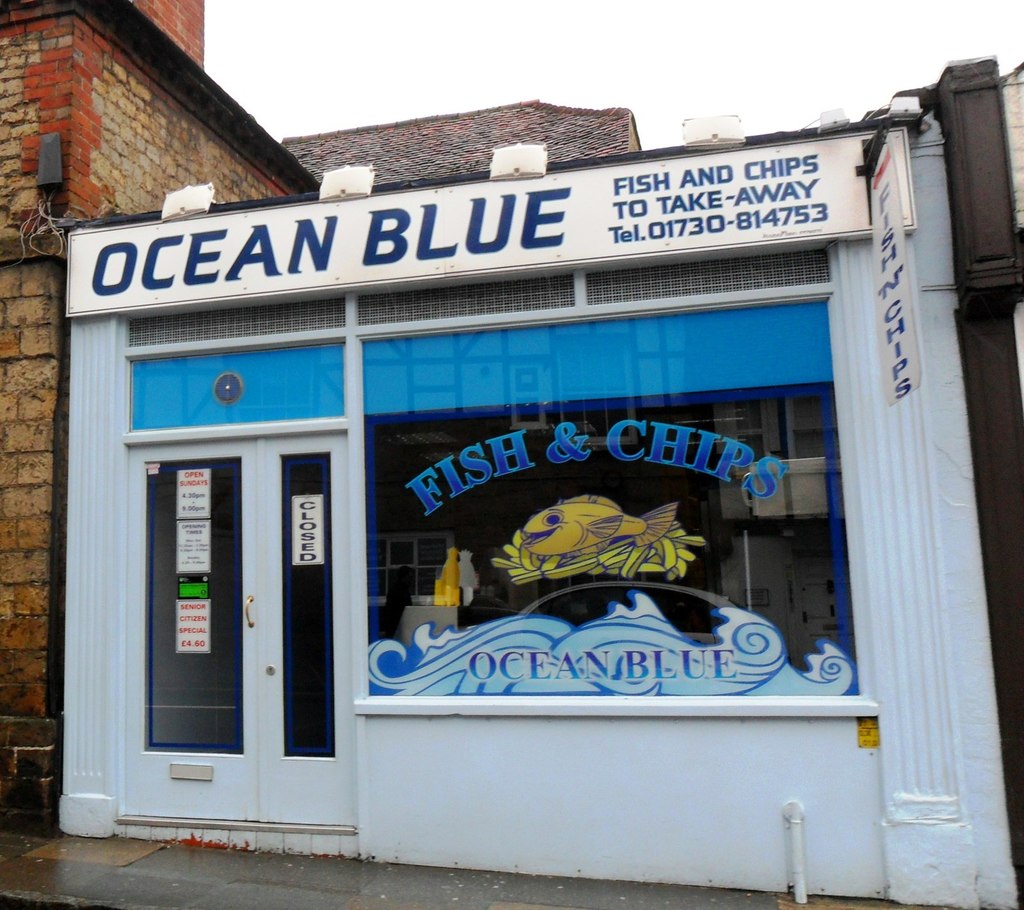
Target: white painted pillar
{"x":916,"y":576}
{"x":95,"y":580}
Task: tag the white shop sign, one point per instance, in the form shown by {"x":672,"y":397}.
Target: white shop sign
{"x":193,"y":626}
{"x":194,"y":488}
{"x":894,"y":290}
{"x":308,"y":530}
{"x":193,"y":547}
{"x":807,"y":192}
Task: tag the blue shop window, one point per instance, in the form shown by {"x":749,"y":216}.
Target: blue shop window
{"x":247,"y":387}
{"x":630,"y":507}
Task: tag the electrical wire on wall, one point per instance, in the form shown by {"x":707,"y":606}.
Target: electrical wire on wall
{"x":41,"y":223}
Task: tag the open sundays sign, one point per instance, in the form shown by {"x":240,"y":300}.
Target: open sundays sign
{"x":798,"y":192}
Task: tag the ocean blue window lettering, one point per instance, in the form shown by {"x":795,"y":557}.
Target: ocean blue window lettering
{"x":474,"y":462}
{"x":763,"y":480}
{"x":149,"y":279}
{"x":536,"y":219}
{"x":474,"y":242}
{"x":508,"y":455}
{"x":424,"y":246}
{"x":615,"y":439}
{"x":258,"y":250}
{"x":197,"y":256}
{"x":669,"y":447}
{"x":319,"y":247}
{"x":424,"y":485}
{"x":704,"y":451}
{"x":387,"y":229}
{"x":99,"y":275}
{"x":735,"y":454}
{"x":668,"y":444}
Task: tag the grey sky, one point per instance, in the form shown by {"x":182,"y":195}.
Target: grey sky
{"x":334,"y":65}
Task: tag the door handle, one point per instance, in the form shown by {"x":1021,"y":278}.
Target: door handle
{"x":248,"y":613}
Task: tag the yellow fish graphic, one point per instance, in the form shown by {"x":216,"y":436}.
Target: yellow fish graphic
{"x":591,"y":534}
{"x":592,"y":524}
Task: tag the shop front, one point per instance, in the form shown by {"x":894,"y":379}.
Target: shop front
{"x":591,"y":524}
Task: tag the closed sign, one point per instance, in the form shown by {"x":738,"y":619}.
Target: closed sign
{"x":308,"y":530}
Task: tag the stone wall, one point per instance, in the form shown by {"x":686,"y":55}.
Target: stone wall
{"x":31,"y":344}
{"x":143,"y":142}
{"x":136,"y":118}
{"x":34,"y":98}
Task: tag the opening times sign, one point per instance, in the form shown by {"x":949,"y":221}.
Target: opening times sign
{"x":194,"y":546}
{"x":806,"y":191}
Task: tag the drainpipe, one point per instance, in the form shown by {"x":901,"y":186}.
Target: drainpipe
{"x":793,"y":813}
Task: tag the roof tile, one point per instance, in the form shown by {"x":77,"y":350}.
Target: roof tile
{"x":454,"y":144}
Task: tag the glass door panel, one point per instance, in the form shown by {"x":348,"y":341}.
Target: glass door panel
{"x":306,"y":601}
{"x":194,"y":606}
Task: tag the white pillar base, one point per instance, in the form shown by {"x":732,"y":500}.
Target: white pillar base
{"x":88,"y":815}
{"x":931,"y":863}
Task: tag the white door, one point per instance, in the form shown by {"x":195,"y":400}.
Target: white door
{"x":237,"y":703}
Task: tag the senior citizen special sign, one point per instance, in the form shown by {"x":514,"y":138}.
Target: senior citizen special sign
{"x":801,"y":191}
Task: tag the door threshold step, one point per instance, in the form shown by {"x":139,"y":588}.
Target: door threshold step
{"x":217,"y":824}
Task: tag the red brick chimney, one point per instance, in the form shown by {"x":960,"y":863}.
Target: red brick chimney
{"x":182,"y":20}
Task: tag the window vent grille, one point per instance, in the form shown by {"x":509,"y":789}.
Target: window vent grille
{"x":276,"y":319}
{"x":467,"y":300}
{"x":684,"y":279}
{"x":715,"y":276}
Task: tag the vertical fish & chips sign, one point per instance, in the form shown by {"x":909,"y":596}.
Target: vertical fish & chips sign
{"x":894,"y":292}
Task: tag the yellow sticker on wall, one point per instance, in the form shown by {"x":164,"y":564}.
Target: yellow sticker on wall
{"x":868,"y":736}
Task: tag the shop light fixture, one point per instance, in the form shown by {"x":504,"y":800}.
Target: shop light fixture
{"x":349,"y":182}
{"x":713,"y":132}
{"x":510,"y":162}
{"x":904,"y":107}
{"x":833,"y":120}
{"x":190,"y":200}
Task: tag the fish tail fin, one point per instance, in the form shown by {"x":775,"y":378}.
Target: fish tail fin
{"x":659,"y":523}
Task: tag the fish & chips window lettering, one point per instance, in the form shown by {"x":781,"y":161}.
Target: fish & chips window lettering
{"x":554,"y":525}
{"x":639,"y":506}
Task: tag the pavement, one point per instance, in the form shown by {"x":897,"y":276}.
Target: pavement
{"x":122,"y":874}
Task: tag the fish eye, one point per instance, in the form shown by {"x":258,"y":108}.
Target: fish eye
{"x":552,"y":518}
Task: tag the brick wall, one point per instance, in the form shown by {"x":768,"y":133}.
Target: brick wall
{"x":183,"y":20}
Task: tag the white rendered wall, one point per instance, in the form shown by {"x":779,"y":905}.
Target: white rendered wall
{"x":918,"y":587}
{"x":670,"y":799}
